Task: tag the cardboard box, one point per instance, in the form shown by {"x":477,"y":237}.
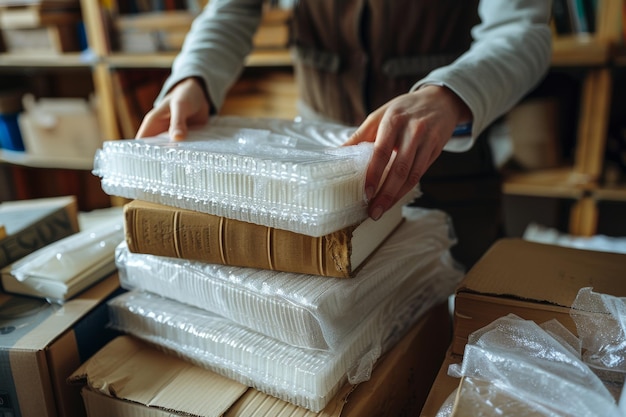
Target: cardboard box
{"x":443,"y":387}
{"x":41,"y":344}
{"x":128,"y":377}
{"x":61,"y":127}
{"x":535,"y":281}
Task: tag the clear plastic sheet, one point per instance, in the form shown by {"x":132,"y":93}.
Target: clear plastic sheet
{"x":304,"y":310}
{"x":308,"y":378}
{"x":515,"y":364}
{"x":279,"y":173}
{"x":51,"y":269}
{"x":601,"y":325}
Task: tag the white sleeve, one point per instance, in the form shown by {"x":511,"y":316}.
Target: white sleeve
{"x":216,"y":46}
{"x":510,"y":54}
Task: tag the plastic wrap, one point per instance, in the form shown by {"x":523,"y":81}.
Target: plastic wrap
{"x":601,"y":325}
{"x":514,"y":366}
{"x":71,"y":263}
{"x":304,"y":310}
{"x":278,"y":173}
{"x":305,"y":377}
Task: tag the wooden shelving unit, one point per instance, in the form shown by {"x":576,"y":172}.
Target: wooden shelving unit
{"x":102,"y":62}
{"x":595,"y":54}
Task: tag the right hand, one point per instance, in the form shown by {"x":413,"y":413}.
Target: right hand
{"x":185,"y":105}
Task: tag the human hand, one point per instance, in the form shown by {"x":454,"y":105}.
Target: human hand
{"x":185,"y":105}
{"x":409,"y":133}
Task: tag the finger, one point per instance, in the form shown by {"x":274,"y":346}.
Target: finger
{"x":155,"y":122}
{"x":364,"y":133}
{"x":403,"y":173}
{"x":384,"y":145}
{"x":178,"y":121}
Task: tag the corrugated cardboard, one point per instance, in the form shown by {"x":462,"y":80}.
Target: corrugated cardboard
{"x":443,"y":387}
{"x":149,"y":383}
{"x":534,"y":281}
{"x":41,"y":344}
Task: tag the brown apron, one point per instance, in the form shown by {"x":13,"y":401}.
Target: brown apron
{"x":352,"y":56}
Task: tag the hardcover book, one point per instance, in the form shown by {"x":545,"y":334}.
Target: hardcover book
{"x":33,"y":224}
{"x":162,"y":230}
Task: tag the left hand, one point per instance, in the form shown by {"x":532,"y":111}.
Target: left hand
{"x":416,"y":126}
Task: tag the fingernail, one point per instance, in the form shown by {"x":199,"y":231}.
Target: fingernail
{"x":369,"y":191}
{"x":177,"y":134}
{"x":376,"y":212}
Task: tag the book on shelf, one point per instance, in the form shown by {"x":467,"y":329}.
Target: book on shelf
{"x":574,"y":16}
{"x":33,"y":224}
{"x":162,"y":230}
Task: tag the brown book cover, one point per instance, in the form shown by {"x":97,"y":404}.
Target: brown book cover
{"x":33,"y":224}
{"x":162,"y":230}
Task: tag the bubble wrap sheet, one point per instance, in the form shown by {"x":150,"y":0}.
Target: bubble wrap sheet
{"x":304,"y":310}
{"x":517,"y":367}
{"x":308,"y":378}
{"x":279,"y":173}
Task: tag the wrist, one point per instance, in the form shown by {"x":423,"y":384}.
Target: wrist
{"x":462,"y":113}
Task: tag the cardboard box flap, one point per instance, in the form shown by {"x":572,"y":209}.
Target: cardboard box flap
{"x":544,"y":273}
{"x":257,"y":404}
{"x":37,"y":323}
{"x":129,"y":369}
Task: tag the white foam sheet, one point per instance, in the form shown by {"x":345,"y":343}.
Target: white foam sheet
{"x":304,"y":310}
{"x":308,"y":378}
{"x":279,"y":173}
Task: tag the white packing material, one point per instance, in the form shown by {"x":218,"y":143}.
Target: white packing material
{"x":290,"y":175}
{"x":63,"y":268}
{"x":303,"y":310}
{"x":308,"y":378}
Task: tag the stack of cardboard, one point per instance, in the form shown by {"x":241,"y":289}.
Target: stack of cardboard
{"x":297,"y":335}
{"x":40,"y":26}
{"x":533,"y":281}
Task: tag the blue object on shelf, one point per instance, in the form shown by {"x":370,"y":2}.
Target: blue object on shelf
{"x":10,"y":135}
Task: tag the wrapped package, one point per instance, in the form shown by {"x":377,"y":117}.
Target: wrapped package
{"x":62,"y":269}
{"x":278,"y":173}
{"x":517,"y":367}
{"x":305,"y":310}
{"x":308,"y":378}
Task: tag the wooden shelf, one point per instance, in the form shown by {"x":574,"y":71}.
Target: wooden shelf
{"x":617,"y":193}
{"x":580,"y":50}
{"x":264,"y":58}
{"x":558,"y":183}
{"x":38,"y":161}
{"x":68,"y":60}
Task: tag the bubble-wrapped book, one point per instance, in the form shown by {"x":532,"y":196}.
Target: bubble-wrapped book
{"x":298,"y":309}
{"x":291,"y":175}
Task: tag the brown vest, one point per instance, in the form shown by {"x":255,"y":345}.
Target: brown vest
{"x":352,"y":56}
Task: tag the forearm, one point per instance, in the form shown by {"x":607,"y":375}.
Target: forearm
{"x":510,"y":54}
{"x":216,"y":47}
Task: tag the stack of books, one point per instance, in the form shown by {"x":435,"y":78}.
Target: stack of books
{"x":249,"y":252}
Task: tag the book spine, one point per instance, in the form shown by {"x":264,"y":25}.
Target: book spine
{"x":186,"y":234}
{"x":49,"y":229}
